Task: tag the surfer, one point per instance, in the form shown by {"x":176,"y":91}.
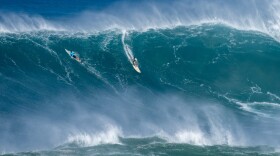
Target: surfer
{"x":135,"y":65}
{"x":73,"y":55}
{"x":135,"y":62}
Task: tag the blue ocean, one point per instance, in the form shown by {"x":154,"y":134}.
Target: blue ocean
{"x":209,"y":81}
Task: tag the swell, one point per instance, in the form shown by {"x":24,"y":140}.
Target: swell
{"x":194,"y":81}
{"x":183,"y":58}
{"x":152,"y":146}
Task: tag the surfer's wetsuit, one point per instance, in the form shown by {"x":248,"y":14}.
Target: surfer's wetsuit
{"x":72,"y":54}
{"x":135,"y":62}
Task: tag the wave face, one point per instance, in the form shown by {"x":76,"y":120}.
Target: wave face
{"x":208,"y":87}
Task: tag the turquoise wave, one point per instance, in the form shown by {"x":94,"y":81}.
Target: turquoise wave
{"x":232,"y":73}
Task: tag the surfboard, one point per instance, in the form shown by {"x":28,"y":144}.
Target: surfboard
{"x":129,"y":54}
{"x":77,"y":58}
{"x":137,"y":69}
{"x":131,"y":58}
{"x":135,"y":66}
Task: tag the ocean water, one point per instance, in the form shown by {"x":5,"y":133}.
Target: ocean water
{"x":209,"y":82}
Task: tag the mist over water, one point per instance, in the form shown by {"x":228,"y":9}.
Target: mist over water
{"x":257,"y":15}
{"x":208,"y":81}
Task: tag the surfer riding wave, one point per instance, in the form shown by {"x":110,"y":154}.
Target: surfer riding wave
{"x":73,"y":55}
{"x":129,"y":54}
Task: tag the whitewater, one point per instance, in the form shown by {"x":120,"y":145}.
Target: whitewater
{"x":208,"y":83}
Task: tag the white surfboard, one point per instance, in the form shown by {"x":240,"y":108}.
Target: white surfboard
{"x":129,"y":54}
{"x":77,"y":58}
{"x":137,"y":69}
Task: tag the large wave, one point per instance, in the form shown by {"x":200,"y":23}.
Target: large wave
{"x":201,"y":85}
{"x":209,"y":76}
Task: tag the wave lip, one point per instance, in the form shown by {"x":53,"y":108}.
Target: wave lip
{"x":259,"y":16}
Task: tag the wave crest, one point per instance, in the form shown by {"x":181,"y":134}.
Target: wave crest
{"x":261,"y":16}
{"x":109,"y":136}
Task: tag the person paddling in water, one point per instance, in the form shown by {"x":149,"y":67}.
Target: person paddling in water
{"x":74,"y":56}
